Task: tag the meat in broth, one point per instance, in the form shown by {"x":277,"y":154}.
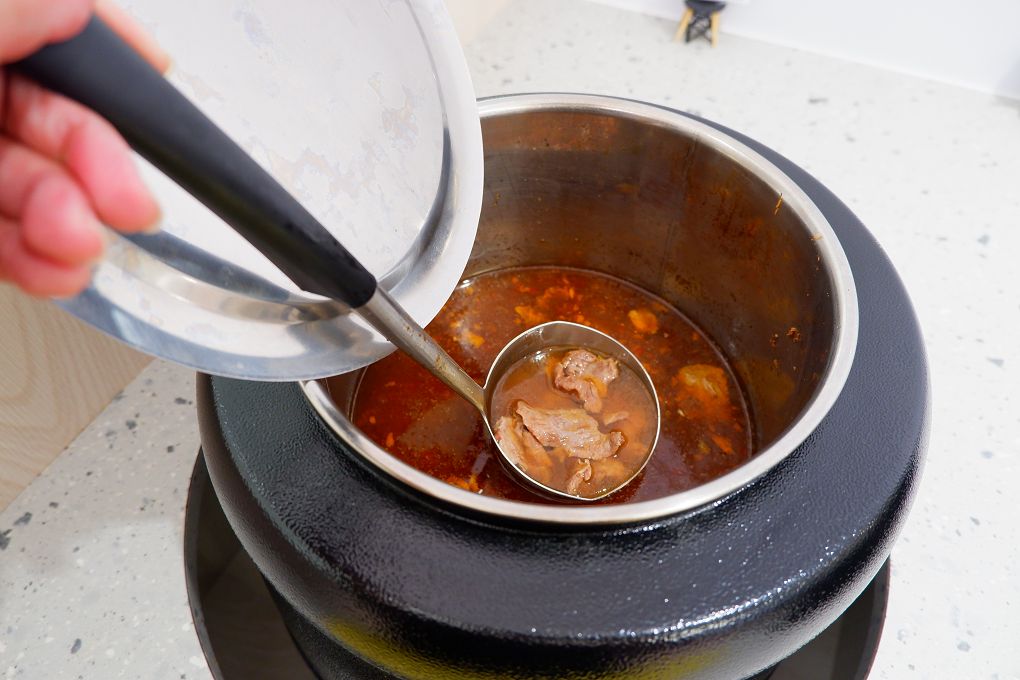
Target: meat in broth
{"x":548,"y":423}
{"x":706,"y":424}
{"x":587,"y":375}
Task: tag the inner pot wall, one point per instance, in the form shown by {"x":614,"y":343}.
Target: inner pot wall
{"x":665,"y":209}
{"x":695,"y":216}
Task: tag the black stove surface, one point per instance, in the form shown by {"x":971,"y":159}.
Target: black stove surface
{"x":244,"y":637}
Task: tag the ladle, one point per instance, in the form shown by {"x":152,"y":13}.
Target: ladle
{"x":99,"y":70}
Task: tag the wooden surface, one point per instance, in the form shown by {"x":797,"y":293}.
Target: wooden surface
{"x":56,"y":375}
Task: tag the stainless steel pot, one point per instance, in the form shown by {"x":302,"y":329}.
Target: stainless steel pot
{"x":682,"y":210}
{"x":420,"y":580}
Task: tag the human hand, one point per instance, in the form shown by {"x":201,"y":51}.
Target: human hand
{"x":64,"y":171}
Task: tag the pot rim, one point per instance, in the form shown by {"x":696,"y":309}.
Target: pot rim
{"x":846,"y":322}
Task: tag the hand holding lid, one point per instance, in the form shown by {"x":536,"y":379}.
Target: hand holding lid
{"x":97,"y":69}
{"x":367,"y":115}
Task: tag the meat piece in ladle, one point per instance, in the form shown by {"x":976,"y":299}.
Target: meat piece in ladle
{"x":571,"y":429}
{"x":581,"y":474}
{"x":560,"y":445}
{"x":586,"y":375}
{"x":520,"y":446}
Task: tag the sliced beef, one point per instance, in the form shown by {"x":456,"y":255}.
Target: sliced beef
{"x":586,"y":375}
{"x":581,"y":474}
{"x":508,"y":440}
{"x":533,"y":450}
{"x":570,"y":429}
{"x":520,"y":446}
{"x":608,"y":473}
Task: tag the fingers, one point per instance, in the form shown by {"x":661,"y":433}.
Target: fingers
{"x":20,"y":170}
{"x":34,"y":274}
{"x":134,"y":35}
{"x":89,"y":148}
{"x":57,"y":221}
{"x":25,"y":25}
{"x":62,"y":168}
{"x":51,"y":235}
{"x":101,"y":161}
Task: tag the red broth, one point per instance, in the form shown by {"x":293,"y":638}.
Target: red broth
{"x":706,"y":427}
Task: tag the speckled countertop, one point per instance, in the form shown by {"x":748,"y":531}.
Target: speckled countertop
{"x":91,"y":567}
{"x":91,"y":579}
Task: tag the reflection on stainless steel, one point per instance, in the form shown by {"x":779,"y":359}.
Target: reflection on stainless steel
{"x":687,"y":212}
{"x":386,"y":152}
{"x":202,"y":279}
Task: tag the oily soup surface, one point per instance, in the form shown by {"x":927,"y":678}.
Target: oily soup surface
{"x":705,"y":428}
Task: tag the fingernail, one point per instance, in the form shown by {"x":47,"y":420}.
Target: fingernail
{"x":82,"y":214}
{"x":156,"y":225}
{"x":155,"y":214}
{"x":106,"y":237}
{"x":77,"y":288}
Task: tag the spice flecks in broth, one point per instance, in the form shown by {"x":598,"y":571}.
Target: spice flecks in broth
{"x":705,"y":429}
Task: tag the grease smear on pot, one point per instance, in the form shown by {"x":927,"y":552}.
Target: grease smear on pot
{"x":705,"y":428}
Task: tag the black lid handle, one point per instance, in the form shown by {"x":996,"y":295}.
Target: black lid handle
{"x":99,"y":70}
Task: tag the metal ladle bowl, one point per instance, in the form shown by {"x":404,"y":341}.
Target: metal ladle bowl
{"x":565,"y":334}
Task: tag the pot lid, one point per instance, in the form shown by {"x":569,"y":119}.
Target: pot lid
{"x":365,"y":112}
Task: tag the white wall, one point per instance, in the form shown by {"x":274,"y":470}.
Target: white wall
{"x":973,"y":43}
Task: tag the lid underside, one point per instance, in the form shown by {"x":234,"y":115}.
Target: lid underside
{"x":365,"y":112}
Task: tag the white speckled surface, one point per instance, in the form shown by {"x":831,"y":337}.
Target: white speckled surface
{"x":92,"y":567}
{"x":933,"y":171}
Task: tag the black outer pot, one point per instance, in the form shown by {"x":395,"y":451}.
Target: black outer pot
{"x":721,"y":592}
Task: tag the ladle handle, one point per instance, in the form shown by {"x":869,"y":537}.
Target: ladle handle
{"x":99,"y":70}
{"x":399,"y":328}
